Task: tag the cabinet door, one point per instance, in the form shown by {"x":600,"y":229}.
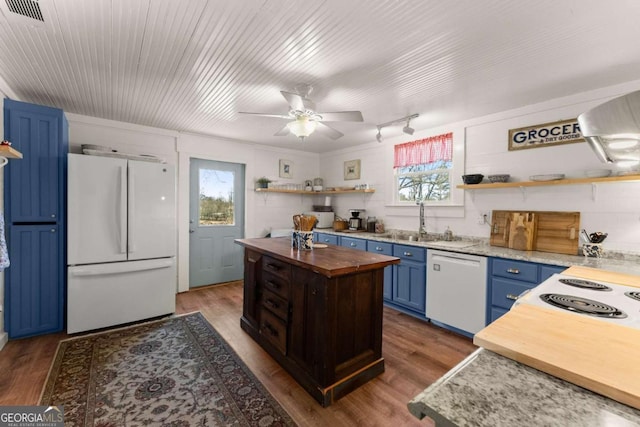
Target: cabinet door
{"x":409,"y":285}
{"x":384,"y":249}
{"x":35,"y":183}
{"x":34,"y":291}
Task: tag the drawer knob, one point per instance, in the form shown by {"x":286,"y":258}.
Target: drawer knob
{"x":513,"y":271}
{"x":273,"y":267}
{"x":378,"y":248}
{"x":352,"y":244}
{"x":273,"y":331}
{"x":407,"y":254}
{"x":271,"y":303}
{"x":272,"y":284}
{"x":512,"y":297}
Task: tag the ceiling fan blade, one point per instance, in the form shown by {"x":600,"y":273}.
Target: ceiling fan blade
{"x":328,"y":131}
{"x":279,"y":116}
{"x":283,"y":132}
{"x":342,"y":116}
{"x":298,"y":102}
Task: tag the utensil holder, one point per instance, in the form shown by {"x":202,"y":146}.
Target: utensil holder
{"x":305,"y":240}
{"x":593,"y":250}
{"x":294,"y":239}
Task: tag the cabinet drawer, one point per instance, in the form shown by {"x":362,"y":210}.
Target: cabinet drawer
{"x":326,"y":238}
{"x":275,"y":304}
{"x":516,"y":270}
{"x":496,"y":313}
{"x":380,"y":247}
{"x":350,"y":242}
{"x":275,"y":284}
{"x":504,"y":292}
{"x":277,"y":268}
{"x":411,"y":253}
{"x":547,"y":271}
{"x":274,"y":330}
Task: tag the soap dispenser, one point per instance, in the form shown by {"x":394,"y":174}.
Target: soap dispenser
{"x":448,"y":234}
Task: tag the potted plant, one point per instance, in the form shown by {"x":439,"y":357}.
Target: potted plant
{"x":263,"y":182}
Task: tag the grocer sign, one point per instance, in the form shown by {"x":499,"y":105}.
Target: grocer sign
{"x":544,"y":135}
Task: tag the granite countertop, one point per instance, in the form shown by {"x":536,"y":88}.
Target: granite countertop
{"x":487,"y":389}
{"x":613,"y":261}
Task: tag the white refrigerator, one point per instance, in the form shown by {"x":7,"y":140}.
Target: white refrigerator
{"x":121,"y":241}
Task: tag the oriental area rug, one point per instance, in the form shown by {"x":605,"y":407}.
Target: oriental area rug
{"x":172,"y":372}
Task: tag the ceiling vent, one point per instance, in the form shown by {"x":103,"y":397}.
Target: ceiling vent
{"x":28,"y":8}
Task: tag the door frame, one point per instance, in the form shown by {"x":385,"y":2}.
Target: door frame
{"x":184,"y":162}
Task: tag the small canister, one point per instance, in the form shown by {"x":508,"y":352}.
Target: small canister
{"x":371,"y":224}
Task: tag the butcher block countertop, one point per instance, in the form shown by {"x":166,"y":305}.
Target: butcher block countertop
{"x":331,"y":261}
{"x":539,"y":366}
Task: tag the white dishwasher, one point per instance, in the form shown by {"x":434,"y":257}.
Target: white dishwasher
{"x":457,"y":289}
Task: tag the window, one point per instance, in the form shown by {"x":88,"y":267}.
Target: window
{"x":216,"y":197}
{"x":423,"y":169}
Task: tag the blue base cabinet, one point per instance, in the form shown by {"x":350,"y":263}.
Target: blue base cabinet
{"x":384,"y":249}
{"x":35,"y":205}
{"x":509,"y":278}
{"x":409,"y":280}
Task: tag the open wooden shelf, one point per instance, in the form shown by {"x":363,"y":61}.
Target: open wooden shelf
{"x":9,"y":153}
{"x":569,"y":181}
{"x":277,"y":190}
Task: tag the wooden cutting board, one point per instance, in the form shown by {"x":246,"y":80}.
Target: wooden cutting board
{"x":555,"y":232}
{"x":522,"y":229}
{"x":591,"y":353}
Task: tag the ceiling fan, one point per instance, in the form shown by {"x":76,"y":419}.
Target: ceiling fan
{"x":304,"y":117}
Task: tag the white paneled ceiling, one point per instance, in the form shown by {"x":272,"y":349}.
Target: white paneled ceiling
{"x":191,"y":65}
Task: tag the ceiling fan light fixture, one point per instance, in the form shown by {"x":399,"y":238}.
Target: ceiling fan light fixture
{"x":302,"y":127}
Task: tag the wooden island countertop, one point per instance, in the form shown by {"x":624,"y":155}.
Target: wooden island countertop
{"x":330,"y":261}
{"x":318,"y":312}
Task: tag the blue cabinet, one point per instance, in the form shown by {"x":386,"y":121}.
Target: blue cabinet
{"x":325,"y":238}
{"x":409,"y":279}
{"x":350,"y":242}
{"x":35,"y":304}
{"x":35,"y":203}
{"x":509,"y":278}
{"x":384,"y":249}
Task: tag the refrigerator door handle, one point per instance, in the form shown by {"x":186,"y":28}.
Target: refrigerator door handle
{"x":119,"y":268}
{"x":123,"y":209}
{"x":132,"y":210}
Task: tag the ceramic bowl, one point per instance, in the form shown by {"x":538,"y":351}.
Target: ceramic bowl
{"x":472,"y":179}
{"x":499,"y":178}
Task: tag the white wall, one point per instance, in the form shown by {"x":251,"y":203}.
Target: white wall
{"x":607,"y":207}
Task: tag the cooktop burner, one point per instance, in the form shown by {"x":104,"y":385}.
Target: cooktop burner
{"x":585,"y":284}
{"x":582,"y":305}
{"x":633,"y":295}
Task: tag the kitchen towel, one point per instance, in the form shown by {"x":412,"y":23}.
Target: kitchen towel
{"x":4,"y":254}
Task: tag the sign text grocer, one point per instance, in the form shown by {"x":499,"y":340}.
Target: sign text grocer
{"x":544,"y":135}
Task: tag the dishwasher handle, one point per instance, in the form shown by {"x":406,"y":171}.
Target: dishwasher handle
{"x":460,"y":260}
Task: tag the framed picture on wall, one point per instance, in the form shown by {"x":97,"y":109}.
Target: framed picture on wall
{"x":286,"y":168}
{"x":352,"y":169}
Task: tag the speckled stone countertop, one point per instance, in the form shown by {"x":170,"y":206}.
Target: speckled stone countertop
{"x":612,"y":261}
{"x":487,"y":389}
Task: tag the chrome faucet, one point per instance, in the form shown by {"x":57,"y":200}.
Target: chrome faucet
{"x":422,"y":230}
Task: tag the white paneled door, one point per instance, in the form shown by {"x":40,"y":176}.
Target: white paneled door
{"x":216,"y":216}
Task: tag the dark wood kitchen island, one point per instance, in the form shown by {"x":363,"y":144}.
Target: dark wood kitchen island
{"x":318,"y":313}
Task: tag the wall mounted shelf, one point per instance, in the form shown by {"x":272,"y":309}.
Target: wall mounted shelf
{"x":569,"y":181}
{"x":9,"y":153}
{"x":312,"y":193}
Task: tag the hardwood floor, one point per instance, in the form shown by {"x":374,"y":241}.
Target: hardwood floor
{"x":416,"y":354}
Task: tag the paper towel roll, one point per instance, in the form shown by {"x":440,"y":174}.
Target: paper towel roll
{"x":327,"y":201}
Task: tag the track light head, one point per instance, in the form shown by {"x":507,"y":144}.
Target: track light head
{"x":379,"y":135}
{"x":408,"y":129}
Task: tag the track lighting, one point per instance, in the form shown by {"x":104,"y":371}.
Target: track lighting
{"x":407,"y":129}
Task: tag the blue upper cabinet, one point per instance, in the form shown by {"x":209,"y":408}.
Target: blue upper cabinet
{"x":34,"y":184}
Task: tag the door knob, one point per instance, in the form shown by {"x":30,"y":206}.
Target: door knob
{"x":191,"y":230}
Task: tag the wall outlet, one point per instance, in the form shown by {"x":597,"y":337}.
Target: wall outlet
{"x":483,"y":218}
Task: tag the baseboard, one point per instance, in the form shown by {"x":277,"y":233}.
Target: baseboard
{"x":4,"y":338}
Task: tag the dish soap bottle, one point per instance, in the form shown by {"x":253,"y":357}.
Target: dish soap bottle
{"x":448,"y":234}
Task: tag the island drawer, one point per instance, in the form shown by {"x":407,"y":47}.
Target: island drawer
{"x":276,"y":267}
{"x":411,"y":253}
{"x":516,"y":270}
{"x":275,"y":284}
{"x":504,"y":292}
{"x":276,"y":304}
{"x":274,"y":330}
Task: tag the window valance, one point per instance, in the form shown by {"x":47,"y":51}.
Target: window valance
{"x":422,"y":151}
